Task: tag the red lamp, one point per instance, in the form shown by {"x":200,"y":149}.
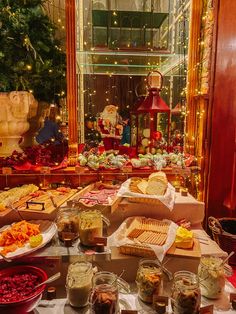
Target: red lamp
{"x":153,"y":120}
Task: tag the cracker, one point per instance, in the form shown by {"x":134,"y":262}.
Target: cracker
{"x":135,"y":233}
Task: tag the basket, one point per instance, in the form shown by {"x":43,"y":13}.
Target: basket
{"x":224,"y":234}
{"x":151,"y":201}
{"x":137,"y":250}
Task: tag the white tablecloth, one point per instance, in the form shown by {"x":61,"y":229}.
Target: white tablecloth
{"x":185,"y":207}
{"x":130,"y":302}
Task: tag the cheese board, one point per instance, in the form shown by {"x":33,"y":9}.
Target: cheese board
{"x":44,"y":203}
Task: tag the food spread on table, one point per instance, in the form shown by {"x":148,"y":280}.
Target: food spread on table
{"x":144,"y":233}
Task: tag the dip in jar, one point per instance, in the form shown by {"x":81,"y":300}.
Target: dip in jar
{"x":68,"y":223}
{"x":104,"y":298}
{"x":186,"y":296}
{"x":79,"y":283}
{"x":211,"y":276}
{"x":149,"y":280}
{"x":90,"y":226}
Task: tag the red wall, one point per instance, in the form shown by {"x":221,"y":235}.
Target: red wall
{"x":223,"y":131}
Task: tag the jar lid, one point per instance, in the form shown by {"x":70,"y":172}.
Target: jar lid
{"x":100,"y":247}
{"x":51,"y":293}
{"x":160,"y":307}
{"x":67,"y":242}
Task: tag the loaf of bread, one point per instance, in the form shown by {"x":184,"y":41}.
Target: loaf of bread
{"x":142,"y":186}
{"x":156,"y":188}
{"x":160,"y":175}
{"x":155,"y":185}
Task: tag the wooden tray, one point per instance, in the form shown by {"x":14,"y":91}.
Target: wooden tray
{"x":108,"y":208}
{"x":47,"y":210}
{"x":145,"y":251}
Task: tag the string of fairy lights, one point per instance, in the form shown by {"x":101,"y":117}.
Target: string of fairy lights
{"x":112,"y":63}
{"x":149,"y":61}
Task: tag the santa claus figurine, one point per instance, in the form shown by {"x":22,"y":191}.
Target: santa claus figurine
{"x":110,"y":127}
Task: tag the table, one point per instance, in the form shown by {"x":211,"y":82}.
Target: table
{"x":128,"y":302}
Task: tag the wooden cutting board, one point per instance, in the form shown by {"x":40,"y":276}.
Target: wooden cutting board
{"x":45,"y":204}
{"x":195,"y":251}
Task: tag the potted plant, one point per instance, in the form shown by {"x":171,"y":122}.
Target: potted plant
{"x":32,"y":66}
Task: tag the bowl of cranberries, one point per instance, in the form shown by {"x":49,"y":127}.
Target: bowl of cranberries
{"x":17,"y":293}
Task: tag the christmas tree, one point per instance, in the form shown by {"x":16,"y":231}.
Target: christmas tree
{"x":30,"y":55}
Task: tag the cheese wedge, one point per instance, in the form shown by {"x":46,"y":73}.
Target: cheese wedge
{"x":184,"y":238}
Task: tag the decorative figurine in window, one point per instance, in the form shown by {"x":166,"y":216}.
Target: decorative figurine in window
{"x":110,"y":127}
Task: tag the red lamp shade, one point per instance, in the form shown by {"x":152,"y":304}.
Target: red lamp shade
{"x":153,"y":102}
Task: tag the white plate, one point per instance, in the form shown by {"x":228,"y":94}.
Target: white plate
{"x":27,"y":249}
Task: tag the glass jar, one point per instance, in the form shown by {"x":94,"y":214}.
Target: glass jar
{"x":149,"y":280}
{"x":211,"y":276}
{"x":68,"y":223}
{"x":186,"y":296}
{"x":104,"y":298}
{"x":79,"y":283}
{"x":91,"y":226}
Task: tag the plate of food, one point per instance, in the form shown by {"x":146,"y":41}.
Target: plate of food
{"x":24,"y":237}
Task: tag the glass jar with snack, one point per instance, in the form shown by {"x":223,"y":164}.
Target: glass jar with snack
{"x":186,"y":296}
{"x":149,"y":280}
{"x":104,"y":298}
{"x":68,"y":223}
{"x":211,"y":277}
{"x":91,"y":226}
{"x":79,"y":283}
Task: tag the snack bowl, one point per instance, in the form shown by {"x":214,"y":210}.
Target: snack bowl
{"x":17,"y":293}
